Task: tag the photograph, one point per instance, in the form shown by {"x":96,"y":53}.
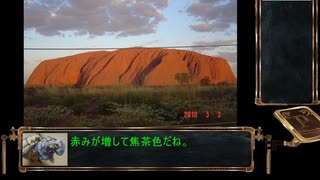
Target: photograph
{"x":130,"y":63}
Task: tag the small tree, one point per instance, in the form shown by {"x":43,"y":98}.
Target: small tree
{"x":205,"y":81}
{"x":183,"y":78}
{"x":223,"y":83}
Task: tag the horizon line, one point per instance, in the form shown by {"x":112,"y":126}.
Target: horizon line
{"x":113,"y":48}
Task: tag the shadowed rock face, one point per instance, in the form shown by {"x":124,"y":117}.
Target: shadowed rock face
{"x":141,"y":66}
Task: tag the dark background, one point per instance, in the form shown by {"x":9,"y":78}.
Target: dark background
{"x":303,"y":160}
{"x":286,"y":52}
{"x":202,"y":149}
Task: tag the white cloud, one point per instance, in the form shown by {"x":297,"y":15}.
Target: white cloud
{"x":94,"y":17}
{"x":216,"y":41}
{"x":209,"y":44}
{"x":213,"y":15}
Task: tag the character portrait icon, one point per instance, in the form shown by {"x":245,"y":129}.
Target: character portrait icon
{"x":44,"y":149}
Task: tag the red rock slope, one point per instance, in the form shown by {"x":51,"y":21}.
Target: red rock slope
{"x":143,"y":66}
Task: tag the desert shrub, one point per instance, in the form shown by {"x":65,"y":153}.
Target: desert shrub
{"x":172,"y":110}
{"x":78,"y":108}
{"x":106,"y":108}
{"x":205,"y":81}
{"x":183,"y":78}
{"x":128,"y":105}
{"x":45,"y":116}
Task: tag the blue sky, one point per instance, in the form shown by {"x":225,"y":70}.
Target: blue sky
{"x":128,"y":23}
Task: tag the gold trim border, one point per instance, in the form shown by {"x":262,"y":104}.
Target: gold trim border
{"x":258,"y":98}
{"x":24,"y":169}
{"x":291,"y":129}
{"x":316,"y":50}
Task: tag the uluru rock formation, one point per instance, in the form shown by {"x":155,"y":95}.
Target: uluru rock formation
{"x":141,"y":66}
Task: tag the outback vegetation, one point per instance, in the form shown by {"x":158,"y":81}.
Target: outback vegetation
{"x":129,"y":105}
